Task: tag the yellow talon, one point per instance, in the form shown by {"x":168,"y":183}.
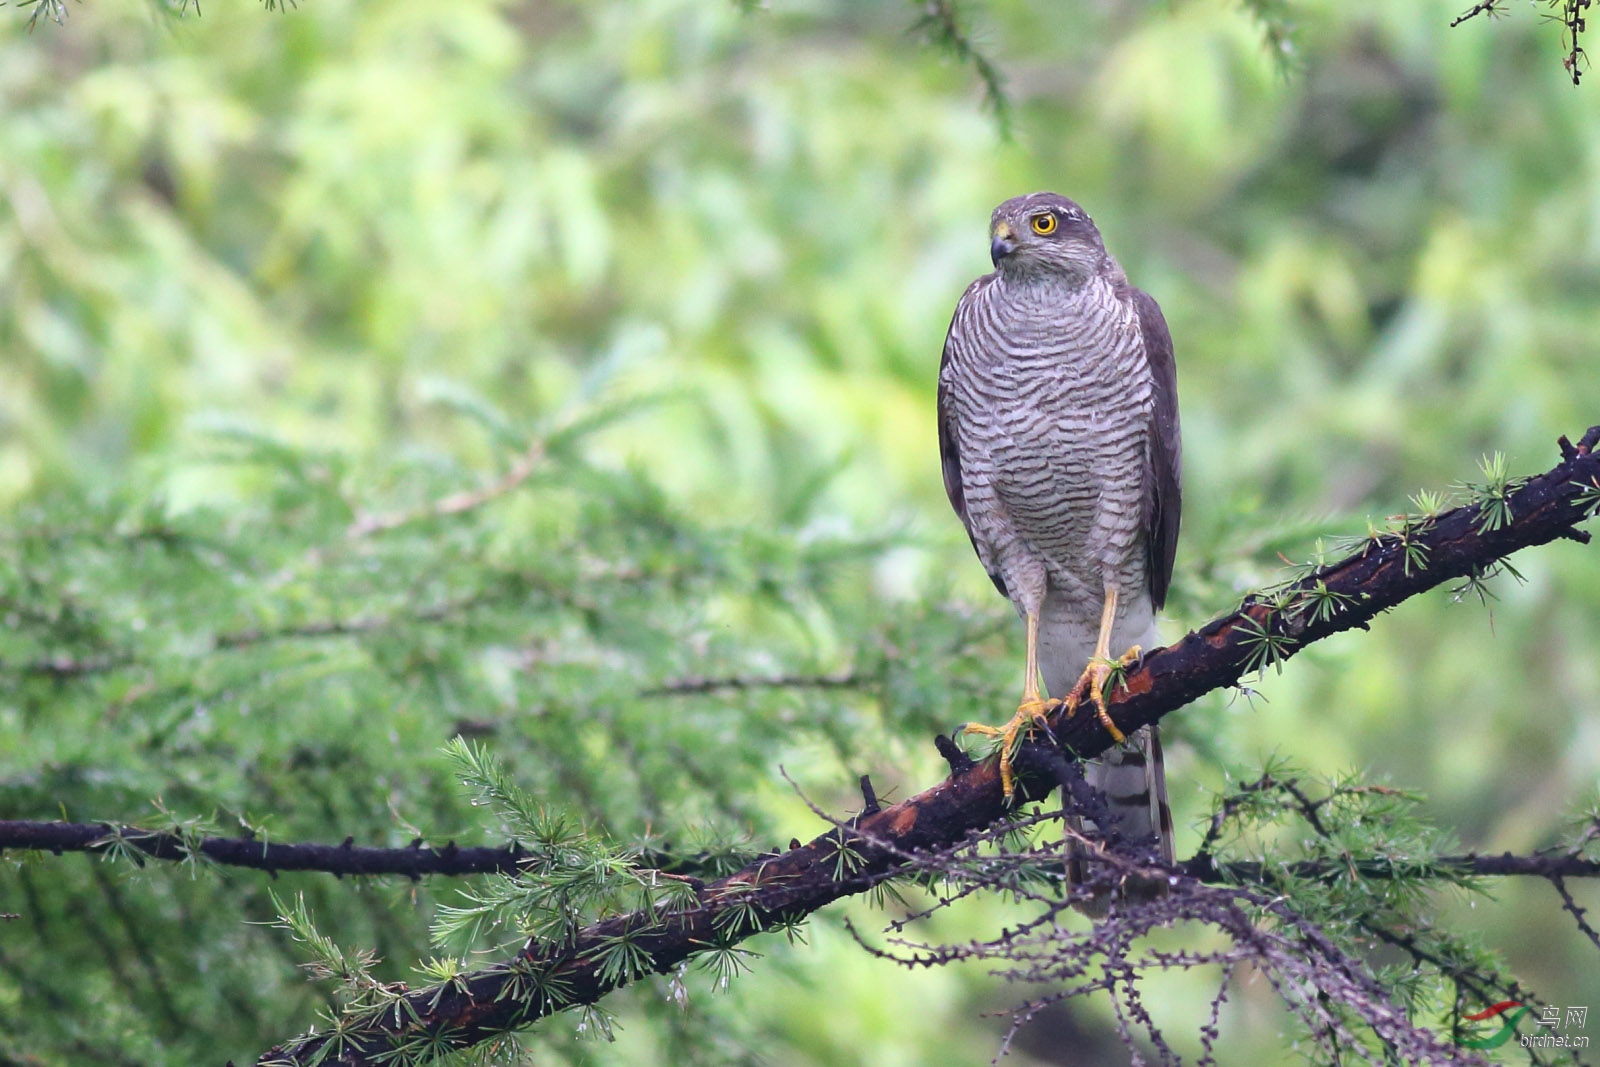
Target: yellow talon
{"x":1031,"y":711}
{"x":1092,"y":683}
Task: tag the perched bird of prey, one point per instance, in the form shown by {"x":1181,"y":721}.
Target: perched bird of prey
{"x":1058,"y":431}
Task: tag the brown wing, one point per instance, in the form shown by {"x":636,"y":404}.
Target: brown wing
{"x":1164,"y":470}
{"x":950,"y":442}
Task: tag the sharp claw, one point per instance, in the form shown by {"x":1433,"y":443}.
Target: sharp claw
{"x":1030,"y":712}
{"x":1105,"y":718}
{"x":1080,"y":689}
{"x":1092,"y":683}
{"x":1038,"y":710}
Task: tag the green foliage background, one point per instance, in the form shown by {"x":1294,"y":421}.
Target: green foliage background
{"x":267,"y":273}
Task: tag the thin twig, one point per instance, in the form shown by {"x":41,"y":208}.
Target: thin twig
{"x":942,"y":24}
{"x":695,"y":684}
{"x":1492,"y":8}
{"x":1577,"y":913}
{"x":454,"y":504}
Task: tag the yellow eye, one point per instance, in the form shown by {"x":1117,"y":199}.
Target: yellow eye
{"x":1045,"y":223}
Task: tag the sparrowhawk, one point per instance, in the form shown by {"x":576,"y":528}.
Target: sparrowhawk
{"x":1058,"y":432}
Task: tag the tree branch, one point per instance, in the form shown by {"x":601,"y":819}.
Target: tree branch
{"x":941,"y":22}
{"x":695,"y":684}
{"x":1492,"y":8}
{"x":1573,"y":15}
{"x":413,"y":861}
{"x":416,"y":859}
{"x":1552,"y":866}
{"x":1266,"y":629}
{"x":522,"y":468}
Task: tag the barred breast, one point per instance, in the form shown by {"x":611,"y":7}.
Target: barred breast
{"x":1055,"y":400}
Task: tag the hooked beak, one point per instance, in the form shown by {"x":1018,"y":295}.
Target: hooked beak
{"x":1002,"y":243}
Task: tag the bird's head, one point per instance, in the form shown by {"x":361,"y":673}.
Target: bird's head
{"x":1044,"y":234}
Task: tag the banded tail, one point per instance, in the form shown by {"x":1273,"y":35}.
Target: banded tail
{"x":1133,"y":777}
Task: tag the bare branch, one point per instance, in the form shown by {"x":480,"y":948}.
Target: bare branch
{"x":413,"y":861}
{"x":1578,"y":914}
{"x":1552,"y":867}
{"x":1492,"y":8}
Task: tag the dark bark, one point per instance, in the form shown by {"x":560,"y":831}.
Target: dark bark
{"x":789,"y":886}
{"x":413,"y":861}
{"x":1552,"y":866}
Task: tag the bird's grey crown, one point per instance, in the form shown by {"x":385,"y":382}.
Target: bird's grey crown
{"x":1033,"y":203}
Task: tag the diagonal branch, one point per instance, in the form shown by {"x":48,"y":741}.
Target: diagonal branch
{"x":1389,"y":568}
{"x":521,"y":469}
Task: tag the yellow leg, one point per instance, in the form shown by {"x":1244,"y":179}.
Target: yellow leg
{"x":1030,"y":665}
{"x":1093,"y":680}
{"x":1108,"y":616}
{"x":1032,"y":709}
